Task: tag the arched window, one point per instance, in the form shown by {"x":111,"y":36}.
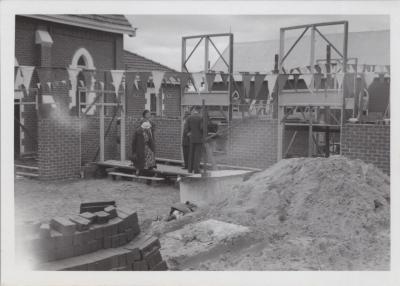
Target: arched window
{"x":81,"y":59}
{"x":82,"y":62}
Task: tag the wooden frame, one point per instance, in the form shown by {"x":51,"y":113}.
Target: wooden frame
{"x":309,"y":98}
{"x":208,"y":39}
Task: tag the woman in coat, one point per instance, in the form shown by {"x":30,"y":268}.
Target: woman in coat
{"x":143,"y":149}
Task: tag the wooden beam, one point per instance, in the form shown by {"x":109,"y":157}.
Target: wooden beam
{"x":208,"y":35}
{"x":294,"y":45}
{"x":102,"y":128}
{"x":206,"y":58}
{"x":123,"y":125}
{"x":212,"y":99}
{"x":205,"y":133}
{"x":281,"y":48}
{"x":230,"y":77}
{"x":310,"y":134}
{"x":290,"y":143}
{"x":345,"y":46}
{"x":281,"y":129}
{"x":321,"y":24}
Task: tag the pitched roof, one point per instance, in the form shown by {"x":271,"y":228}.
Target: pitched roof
{"x":140,"y":63}
{"x":104,"y":22}
{"x":372,"y":47}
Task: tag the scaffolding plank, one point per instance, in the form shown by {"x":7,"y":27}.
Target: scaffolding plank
{"x":211,"y":99}
{"x":306,"y":98}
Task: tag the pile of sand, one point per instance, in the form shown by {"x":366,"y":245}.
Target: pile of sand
{"x":340,"y":207}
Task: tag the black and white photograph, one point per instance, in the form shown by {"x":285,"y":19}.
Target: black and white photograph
{"x":201,"y":142}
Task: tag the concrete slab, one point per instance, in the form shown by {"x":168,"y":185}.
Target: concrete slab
{"x":216,"y":187}
{"x":200,"y":241}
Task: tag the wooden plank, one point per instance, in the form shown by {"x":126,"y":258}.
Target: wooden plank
{"x":26,"y":174}
{"x":27,"y":167}
{"x":135,"y":177}
{"x":281,"y":128}
{"x":211,"y":99}
{"x":306,"y":98}
{"x":102,"y":128}
{"x":122,"y":123}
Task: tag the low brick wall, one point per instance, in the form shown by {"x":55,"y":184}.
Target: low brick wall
{"x":59,"y":145}
{"x":368,"y":142}
{"x":251,"y":143}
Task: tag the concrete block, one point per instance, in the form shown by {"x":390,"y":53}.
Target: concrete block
{"x":78,"y":249}
{"x":107,"y":242}
{"x":115,"y":241}
{"x":122,"y":239}
{"x":95,"y":206}
{"x":80,"y":222}
{"x":162,"y":266}
{"x":133,"y":255}
{"x":100,"y":244}
{"x":89,"y":216}
{"x":114,"y":261}
{"x":140,"y":266}
{"x":63,"y":252}
{"x":129,"y":234}
{"x":92,"y":245}
{"x":102,"y":217}
{"x":98,"y":231}
{"x":122,"y":260}
{"x":111,"y":210}
{"x":114,"y":225}
{"x":107,"y":229}
{"x":44,"y":230}
{"x":136,"y":230}
{"x":148,"y":243}
{"x":63,"y":225}
{"x":66,"y":241}
{"x":78,"y":238}
{"x":153,"y":258}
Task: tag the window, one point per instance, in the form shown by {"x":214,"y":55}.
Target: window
{"x":153,"y":104}
{"x":81,"y":62}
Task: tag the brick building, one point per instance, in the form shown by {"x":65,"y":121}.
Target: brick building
{"x":48,"y":128}
{"x":58,"y":129}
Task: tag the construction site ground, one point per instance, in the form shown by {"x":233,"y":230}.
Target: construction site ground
{"x":300,"y":214}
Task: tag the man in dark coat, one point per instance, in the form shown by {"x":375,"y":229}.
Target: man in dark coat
{"x":194,"y":129}
{"x":185,"y":141}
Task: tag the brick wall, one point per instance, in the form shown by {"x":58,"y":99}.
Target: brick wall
{"x":135,"y":103}
{"x":90,"y":139}
{"x":251,"y":143}
{"x":167,"y":137}
{"x":59,"y":155}
{"x":368,"y":142}
{"x":172,"y":101}
{"x":299,"y":147}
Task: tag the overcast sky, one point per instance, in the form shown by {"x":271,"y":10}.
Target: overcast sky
{"x":159,"y":36}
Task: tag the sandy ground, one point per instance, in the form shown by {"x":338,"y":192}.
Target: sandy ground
{"x":304,"y":214}
{"x":36,"y":200}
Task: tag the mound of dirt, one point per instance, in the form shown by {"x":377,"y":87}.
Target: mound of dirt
{"x":341,"y":207}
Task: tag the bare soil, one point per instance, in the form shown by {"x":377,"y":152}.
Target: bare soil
{"x":304,"y":214}
{"x":40,"y":201}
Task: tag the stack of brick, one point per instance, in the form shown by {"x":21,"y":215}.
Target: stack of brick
{"x":84,"y":235}
{"x":142,"y":254}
